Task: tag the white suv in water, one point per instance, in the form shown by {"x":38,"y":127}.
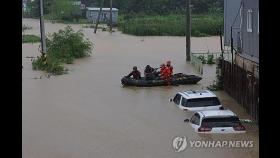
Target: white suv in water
{"x":216,"y":121}
{"x":197,"y":100}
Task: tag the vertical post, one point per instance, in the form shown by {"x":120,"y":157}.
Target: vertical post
{"x":96,"y":25}
{"x":111,"y":14}
{"x":221,"y":41}
{"x":42,"y":28}
{"x":188,"y":30}
{"x":231,"y":44}
{"x":232,"y":68}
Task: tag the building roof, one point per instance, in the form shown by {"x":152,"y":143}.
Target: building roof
{"x":103,"y":9}
{"x":216,"y":113}
{"x":197,"y":94}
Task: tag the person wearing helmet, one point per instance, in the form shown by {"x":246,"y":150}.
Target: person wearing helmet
{"x":149,"y":73}
{"x":169,"y":67}
{"x":168,"y":71}
{"x":134,"y":73}
{"x":162,"y":69}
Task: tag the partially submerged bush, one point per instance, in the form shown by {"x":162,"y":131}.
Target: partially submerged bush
{"x":210,"y":59}
{"x":26,"y":27}
{"x":49,"y":64}
{"x":202,"y":58}
{"x":67,"y":45}
{"x":63,"y":47}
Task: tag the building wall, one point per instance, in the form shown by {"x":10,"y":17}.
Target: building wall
{"x":92,"y":15}
{"x":231,"y":11}
{"x":250,"y":40}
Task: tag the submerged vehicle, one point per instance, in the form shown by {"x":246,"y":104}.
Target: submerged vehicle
{"x":176,"y":79}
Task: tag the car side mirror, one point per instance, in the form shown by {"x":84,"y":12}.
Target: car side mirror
{"x":170,"y":100}
{"x":222,"y":108}
{"x":187,"y":120}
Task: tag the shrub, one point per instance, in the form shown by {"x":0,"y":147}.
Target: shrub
{"x":67,"y":45}
{"x":210,"y":59}
{"x":202,"y":58}
{"x":26,"y":27}
{"x":62,"y":47}
{"x":49,"y":64}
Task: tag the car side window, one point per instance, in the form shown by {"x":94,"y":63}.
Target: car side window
{"x":184,"y":102}
{"x":195,"y":119}
{"x":177,"y":99}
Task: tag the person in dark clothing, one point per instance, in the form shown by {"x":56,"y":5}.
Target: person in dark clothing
{"x":149,"y":73}
{"x":135,"y":73}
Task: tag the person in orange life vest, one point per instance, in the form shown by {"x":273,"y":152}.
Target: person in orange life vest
{"x":169,"y":67}
{"x":168,"y":72}
{"x":162,"y":70}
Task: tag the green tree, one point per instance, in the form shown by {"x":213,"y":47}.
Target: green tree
{"x":33,"y":8}
{"x":64,"y":10}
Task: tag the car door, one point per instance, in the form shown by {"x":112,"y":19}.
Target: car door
{"x":177,"y":99}
{"x":195,"y":121}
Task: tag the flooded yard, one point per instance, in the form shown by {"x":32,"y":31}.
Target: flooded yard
{"x":87,"y":113}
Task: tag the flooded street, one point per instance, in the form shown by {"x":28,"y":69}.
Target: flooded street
{"x":87,"y":113}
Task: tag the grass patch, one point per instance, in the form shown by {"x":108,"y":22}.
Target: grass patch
{"x":67,"y":21}
{"x":171,"y":25}
{"x":30,"y":39}
{"x":63,"y":47}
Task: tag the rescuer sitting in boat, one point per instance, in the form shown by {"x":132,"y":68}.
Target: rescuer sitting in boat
{"x":166,"y":71}
{"x":150,"y":73}
{"x":169,"y":67}
{"x":135,"y":73}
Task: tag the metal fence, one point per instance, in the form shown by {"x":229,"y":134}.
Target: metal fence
{"x":243,"y":86}
{"x":226,"y":55}
{"x":197,"y":63}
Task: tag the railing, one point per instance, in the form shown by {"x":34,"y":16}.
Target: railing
{"x":227,"y":55}
{"x":197,"y":63}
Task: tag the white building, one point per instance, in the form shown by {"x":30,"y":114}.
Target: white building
{"x":92,"y":15}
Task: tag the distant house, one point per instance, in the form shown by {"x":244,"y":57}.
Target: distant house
{"x":92,"y":15}
{"x":243,"y":17}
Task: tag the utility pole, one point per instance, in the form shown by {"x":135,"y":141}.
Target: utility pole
{"x":221,"y":41}
{"x":42,"y":28}
{"x":231,"y":45}
{"x":111,"y":18}
{"x":96,"y":25}
{"x":188,"y":30}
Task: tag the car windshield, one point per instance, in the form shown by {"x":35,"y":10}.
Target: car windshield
{"x":199,"y":102}
{"x":220,"y":122}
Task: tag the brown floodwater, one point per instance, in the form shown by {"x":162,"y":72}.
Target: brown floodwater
{"x":87,"y":113}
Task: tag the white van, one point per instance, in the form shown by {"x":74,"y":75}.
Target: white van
{"x":216,"y":121}
{"x":197,"y":100}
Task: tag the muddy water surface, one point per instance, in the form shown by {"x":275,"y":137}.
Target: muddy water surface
{"x":87,"y":113}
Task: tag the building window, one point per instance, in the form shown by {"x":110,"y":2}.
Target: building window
{"x":249,"y":20}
